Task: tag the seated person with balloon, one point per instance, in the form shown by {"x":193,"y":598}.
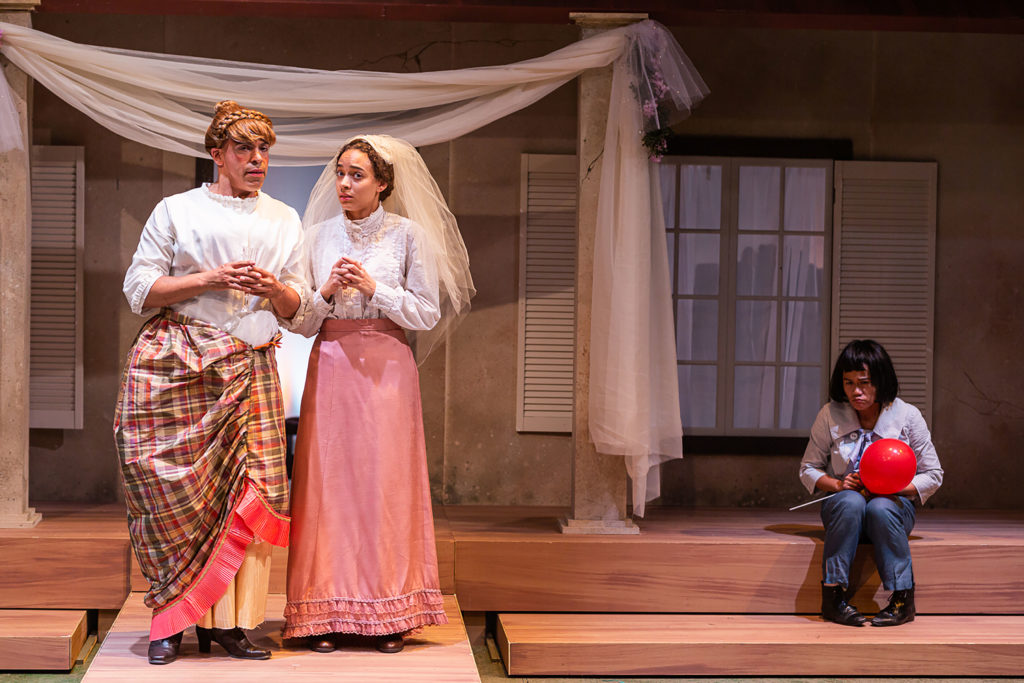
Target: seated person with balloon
{"x":872,"y":451}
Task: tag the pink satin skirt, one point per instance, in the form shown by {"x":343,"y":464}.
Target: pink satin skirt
{"x":362,"y":556}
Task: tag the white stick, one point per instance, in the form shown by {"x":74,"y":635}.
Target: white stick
{"x":810,"y":502}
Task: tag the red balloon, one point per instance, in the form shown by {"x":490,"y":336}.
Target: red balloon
{"x":887,"y":466}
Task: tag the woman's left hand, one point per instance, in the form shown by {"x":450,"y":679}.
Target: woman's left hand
{"x":356,"y":276}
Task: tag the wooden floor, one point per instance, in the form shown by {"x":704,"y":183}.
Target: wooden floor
{"x":763,"y":645}
{"x":705,"y":571}
{"x":438,"y":653}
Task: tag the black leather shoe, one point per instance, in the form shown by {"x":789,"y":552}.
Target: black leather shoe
{"x":324,"y":643}
{"x":391,"y":643}
{"x":165,"y":650}
{"x":231,"y":639}
{"x":900,"y":609}
{"x":835,"y":608}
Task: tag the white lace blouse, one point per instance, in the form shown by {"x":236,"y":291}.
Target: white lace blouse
{"x":200,"y":230}
{"x":390,"y":249}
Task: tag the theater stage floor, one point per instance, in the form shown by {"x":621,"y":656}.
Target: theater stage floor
{"x":440,"y":653}
{"x":515,"y":560}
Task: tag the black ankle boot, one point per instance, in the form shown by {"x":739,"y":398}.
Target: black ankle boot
{"x":900,"y":609}
{"x":165,"y":650}
{"x":231,"y":639}
{"x":391,"y":643}
{"x":835,"y":608}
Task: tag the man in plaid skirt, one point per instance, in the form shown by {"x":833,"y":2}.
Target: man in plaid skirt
{"x":199,"y":422}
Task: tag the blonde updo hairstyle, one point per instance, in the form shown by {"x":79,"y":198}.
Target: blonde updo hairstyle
{"x":232,"y":122}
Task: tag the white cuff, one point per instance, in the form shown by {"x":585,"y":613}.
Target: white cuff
{"x":385,"y":298}
{"x":138,"y":298}
{"x":321,"y":305}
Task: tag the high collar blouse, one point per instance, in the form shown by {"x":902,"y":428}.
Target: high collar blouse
{"x":390,"y":248}
{"x":200,"y":230}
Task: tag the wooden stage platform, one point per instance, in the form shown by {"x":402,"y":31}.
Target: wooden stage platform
{"x":439,"y":653}
{"x":739,"y":561}
{"x":721,"y":566}
{"x":768,"y":644}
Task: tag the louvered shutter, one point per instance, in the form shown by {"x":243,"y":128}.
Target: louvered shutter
{"x":884,"y":266}
{"x":55,"y":370}
{"x":547,"y":292}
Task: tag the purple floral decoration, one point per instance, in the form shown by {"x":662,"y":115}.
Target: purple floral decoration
{"x":655,"y":139}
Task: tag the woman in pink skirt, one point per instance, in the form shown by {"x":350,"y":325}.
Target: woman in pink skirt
{"x":362,"y":557}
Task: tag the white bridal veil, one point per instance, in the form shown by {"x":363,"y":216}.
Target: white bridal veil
{"x":166,"y":101}
{"x":417,"y":197}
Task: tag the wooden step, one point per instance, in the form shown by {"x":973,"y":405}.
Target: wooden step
{"x":48,"y":640}
{"x":742,"y":561}
{"x":75,"y":558}
{"x":514,"y":559}
{"x":756,"y":645}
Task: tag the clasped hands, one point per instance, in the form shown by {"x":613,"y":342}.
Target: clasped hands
{"x":348,"y":272}
{"x":851,"y":482}
{"x":245,"y":276}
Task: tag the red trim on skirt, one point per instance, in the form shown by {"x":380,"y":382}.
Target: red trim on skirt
{"x":251,"y":517}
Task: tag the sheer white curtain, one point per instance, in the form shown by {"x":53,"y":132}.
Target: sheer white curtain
{"x":765,"y":333}
{"x":10,"y":129}
{"x":166,"y":101}
{"x":803,"y":272}
{"x":757,"y":259}
{"x":634,"y":394}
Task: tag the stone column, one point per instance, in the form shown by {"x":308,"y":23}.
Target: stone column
{"x":599,"y":482}
{"x":14,"y":298}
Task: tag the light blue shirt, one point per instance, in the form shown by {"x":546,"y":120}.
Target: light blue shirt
{"x":858,"y":447}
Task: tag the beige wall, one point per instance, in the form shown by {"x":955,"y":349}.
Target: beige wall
{"x":951,"y":98}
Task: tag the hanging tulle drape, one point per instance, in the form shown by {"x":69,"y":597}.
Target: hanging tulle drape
{"x":634,"y":385}
{"x":166,"y":101}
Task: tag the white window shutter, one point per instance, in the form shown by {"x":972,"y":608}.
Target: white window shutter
{"x":547,"y":293}
{"x":884,"y":266}
{"x":55,"y":369}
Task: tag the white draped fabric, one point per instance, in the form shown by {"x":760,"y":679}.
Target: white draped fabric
{"x":166,"y":101}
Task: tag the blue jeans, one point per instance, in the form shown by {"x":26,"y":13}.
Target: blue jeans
{"x":885,"y":521}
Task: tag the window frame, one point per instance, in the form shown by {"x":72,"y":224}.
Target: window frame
{"x":727,"y":298}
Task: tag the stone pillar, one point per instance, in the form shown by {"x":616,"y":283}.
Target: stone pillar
{"x":599,"y":482}
{"x":14,"y":298}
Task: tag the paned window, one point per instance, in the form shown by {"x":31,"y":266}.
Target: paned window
{"x":749,"y":243}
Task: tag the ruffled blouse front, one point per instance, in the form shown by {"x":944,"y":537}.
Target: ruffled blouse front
{"x":391,"y":250}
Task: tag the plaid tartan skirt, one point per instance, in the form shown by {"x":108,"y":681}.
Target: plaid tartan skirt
{"x":199,"y":426}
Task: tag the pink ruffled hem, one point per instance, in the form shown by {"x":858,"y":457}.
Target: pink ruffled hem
{"x":251,"y":517}
{"x":364,"y":617}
